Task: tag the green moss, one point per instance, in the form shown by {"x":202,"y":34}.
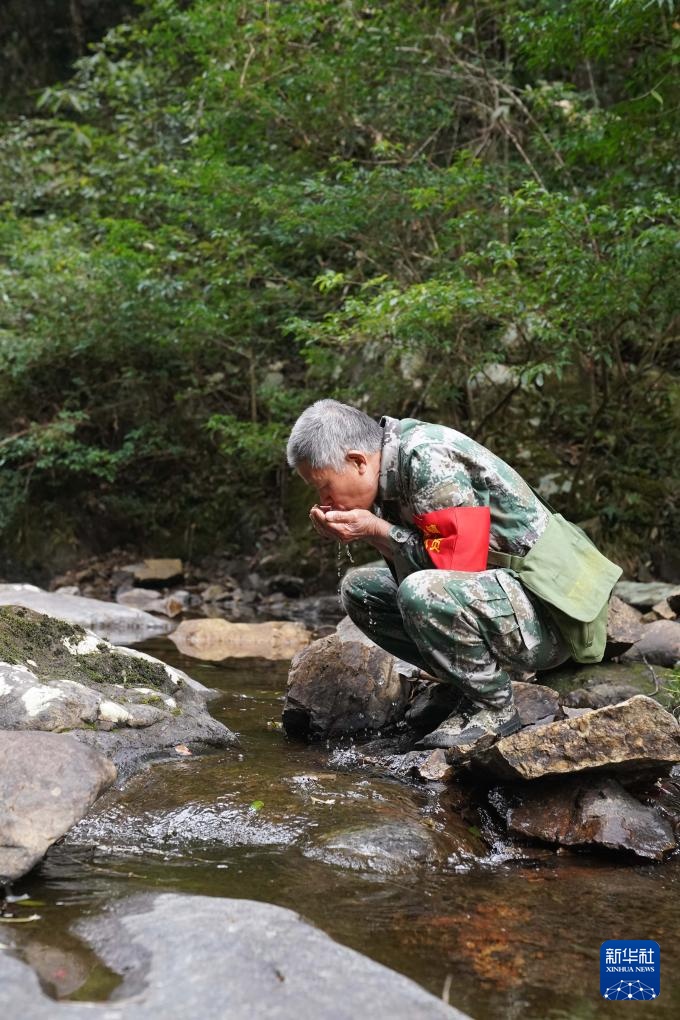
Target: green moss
{"x":26,"y":635}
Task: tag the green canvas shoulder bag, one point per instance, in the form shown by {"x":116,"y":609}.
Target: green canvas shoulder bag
{"x":574,"y":580}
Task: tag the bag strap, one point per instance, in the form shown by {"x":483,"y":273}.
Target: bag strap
{"x":505,"y":560}
{"x":500,"y":559}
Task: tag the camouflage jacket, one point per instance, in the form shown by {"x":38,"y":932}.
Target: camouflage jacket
{"x":426,"y":467}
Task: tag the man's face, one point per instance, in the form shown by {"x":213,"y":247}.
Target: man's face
{"x":353,"y":488}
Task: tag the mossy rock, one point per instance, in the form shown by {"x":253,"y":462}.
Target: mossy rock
{"x":40,"y":642}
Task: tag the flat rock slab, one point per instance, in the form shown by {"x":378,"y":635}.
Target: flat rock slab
{"x":659,"y":644}
{"x":156,"y":572}
{"x":586,"y":813}
{"x":222,"y":959}
{"x":637,"y":735}
{"x":339,"y":686}
{"x":119,"y":624}
{"x":48,"y":782}
{"x":643,"y":595}
{"x":215,"y":640}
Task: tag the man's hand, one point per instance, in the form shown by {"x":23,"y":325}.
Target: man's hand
{"x":350,"y":525}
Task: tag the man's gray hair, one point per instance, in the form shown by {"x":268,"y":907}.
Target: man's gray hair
{"x":327,"y":430}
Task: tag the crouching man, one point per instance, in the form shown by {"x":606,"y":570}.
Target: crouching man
{"x":482,"y":580}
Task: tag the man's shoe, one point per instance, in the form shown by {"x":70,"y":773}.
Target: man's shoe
{"x":473,"y":732}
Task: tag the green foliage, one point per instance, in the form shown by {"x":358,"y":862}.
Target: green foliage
{"x":463,"y":212}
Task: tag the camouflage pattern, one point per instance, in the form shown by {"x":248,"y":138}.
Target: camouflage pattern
{"x":426,"y":467}
{"x":469,"y":629}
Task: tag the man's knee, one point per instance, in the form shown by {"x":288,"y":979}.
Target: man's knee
{"x":417,"y":591}
{"x":354,"y":588}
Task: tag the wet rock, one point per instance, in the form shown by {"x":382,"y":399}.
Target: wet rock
{"x":636,"y":736}
{"x":535,"y":703}
{"x":404,"y":765}
{"x":156,"y":573}
{"x":624,"y":627}
{"x":659,"y":645}
{"x":48,"y":781}
{"x":117,"y":623}
{"x":215,"y":639}
{"x":57,"y":676}
{"x":389,"y":847}
{"x":644,"y":595}
{"x":279,"y":966}
{"x":599,"y":695}
{"x":343,"y":684}
{"x":431,"y":706}
{"x":436,"y":768}
{"x":596,"y":812}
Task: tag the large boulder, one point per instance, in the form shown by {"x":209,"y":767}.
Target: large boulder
{"x":587,"y":812}
{"x":48,"y":781}
{"x":222,"y":959}
{"x":55,"y":676}
{"x":659,"y":644}
{"x":120,"y":624}
{"x":215,"y":640}
{"x":635,"y":736}
{"x":343,"y":684}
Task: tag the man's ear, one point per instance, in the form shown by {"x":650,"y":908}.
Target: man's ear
{"x":358,"y":459}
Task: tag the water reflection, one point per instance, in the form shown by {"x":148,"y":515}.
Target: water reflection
{"x":273,"y":821}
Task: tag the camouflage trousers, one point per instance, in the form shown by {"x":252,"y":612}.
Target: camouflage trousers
{"x":472,"y":630}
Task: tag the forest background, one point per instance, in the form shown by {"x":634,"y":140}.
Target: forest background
{"x":214,"y":212}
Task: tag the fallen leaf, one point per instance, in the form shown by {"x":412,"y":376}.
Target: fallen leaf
{"x":183,"y":749}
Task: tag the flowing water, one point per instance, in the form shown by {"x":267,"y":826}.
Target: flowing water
{"x":275,"y":821}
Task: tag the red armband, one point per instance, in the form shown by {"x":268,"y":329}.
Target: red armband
{"x":456,"y":538}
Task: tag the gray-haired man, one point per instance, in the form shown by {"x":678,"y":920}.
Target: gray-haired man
{"x":437,"y":506}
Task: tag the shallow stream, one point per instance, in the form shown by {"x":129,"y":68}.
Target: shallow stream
{"x":274,"y":821}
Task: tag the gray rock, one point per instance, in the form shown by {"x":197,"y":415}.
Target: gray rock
{"x":663,"y":609}
{"x":659,"y":645}
{"x":535,"y":703}
{"x":117,"y":623}
{"x":599,"y":695}
{"x":48,"y":781}
{"x":389,"y":847}
{"x":624,"y":627}
{"x":220,"y":959}
{"x":118,"y":700}
{"x":644,"y":595}
{"x":584,"y":813}
{"x":145,"y":599}
{"x":343,"y":684}
{"x":637,"y":736}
